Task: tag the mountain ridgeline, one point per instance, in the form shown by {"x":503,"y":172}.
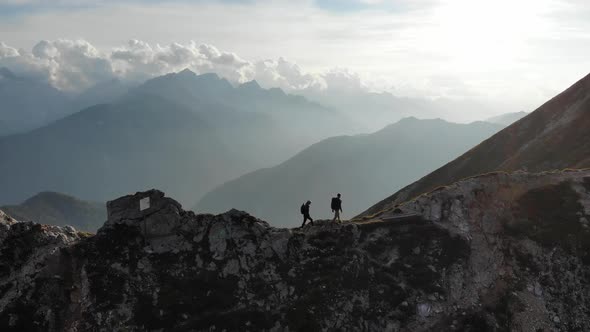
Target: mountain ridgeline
{"x":182,"y":132}
{"x":555,"y":136}
{"x":266,"y":126}
{"x":364,"y":168}
{"x":58,"y":209}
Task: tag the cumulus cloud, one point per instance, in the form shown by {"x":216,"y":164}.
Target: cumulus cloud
{"x":74,"y":65}
{"x":7,"y":51}
{"x":65,"y":64}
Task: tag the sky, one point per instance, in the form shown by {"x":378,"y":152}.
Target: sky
{"x":515,"y":52}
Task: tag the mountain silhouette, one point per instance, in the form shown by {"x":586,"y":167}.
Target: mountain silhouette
{"x":363,"y":168}
{"x":53,"y":208}
{"x":138,"y":142}
{"x":267,"y":126}
{"x":555,"y":136}
{"x":183,"y":132}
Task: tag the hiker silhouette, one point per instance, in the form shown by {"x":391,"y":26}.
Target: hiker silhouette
{"x":305,"y":213}
{"x":336,"y":206}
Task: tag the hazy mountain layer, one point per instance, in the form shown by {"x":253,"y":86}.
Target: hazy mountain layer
{"x":507,"y":119}
{"x":58,"y":209}
{"x":555,"y":136}
{"x":265,"y":126}
{"x":27,"y":104}
{"x":138,"y":142}
{"x":363,"y":168}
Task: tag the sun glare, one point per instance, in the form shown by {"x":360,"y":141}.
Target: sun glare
{"x":478,"y":32}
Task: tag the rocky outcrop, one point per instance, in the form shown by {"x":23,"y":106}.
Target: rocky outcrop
{"x":496,"y":252}
{"x":529,"y":241}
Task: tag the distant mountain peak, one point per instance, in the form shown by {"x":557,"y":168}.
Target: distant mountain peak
{"x":50,"y":195}
{"x":409,"y":119}
{"x":210,"y":76}
{"x":251,"y":85}
{"x":186,"y":72}
{"x":278,"y":91}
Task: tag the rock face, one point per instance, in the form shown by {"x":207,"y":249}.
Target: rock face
{"x":492,"y":253}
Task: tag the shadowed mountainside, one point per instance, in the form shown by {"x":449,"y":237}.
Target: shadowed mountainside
{"x":26,"y":104}
{"x":266,"y":126}
{"x":109,"y":150}
{"x":363,"y":168}
{"x":182,"y":132}
{"x":555,"y":136}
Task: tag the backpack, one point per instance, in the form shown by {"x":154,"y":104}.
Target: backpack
{"x":334,"y":204}
{"x":302,"y":209}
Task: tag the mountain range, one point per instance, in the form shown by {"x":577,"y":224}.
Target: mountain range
{"x":555,"y":136}
{"x":183,"y":132}
{"x":364,"y":168}
{"x":267,"y":125}
{"x":137,"y":142}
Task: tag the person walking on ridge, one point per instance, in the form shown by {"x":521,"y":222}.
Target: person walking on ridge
{"x":305,"y":213}
{"x":336,"y":206}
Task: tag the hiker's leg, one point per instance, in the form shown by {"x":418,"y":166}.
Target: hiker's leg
{"x":304,"y":220}
{"x":310,"y":219}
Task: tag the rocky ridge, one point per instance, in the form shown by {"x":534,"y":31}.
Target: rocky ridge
{"x":495,"y":252}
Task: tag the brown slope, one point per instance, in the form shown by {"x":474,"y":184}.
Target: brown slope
{"x":555,"y":136}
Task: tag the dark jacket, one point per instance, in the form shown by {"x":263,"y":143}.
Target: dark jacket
{"x":336,"y":203}
{"x":305,"y":209}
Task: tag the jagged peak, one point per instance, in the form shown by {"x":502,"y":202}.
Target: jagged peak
{"x":278,"y":91}
{"x":251,"y":85}
{"x":186,"y":72}
{"x":210,"y":76}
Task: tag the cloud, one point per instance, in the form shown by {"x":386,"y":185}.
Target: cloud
{"x":7,"y":51}
{"x":66,"y":64}
{"x":74,"y":65}
{"x":401,"y":46}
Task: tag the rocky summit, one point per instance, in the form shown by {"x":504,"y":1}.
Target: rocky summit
{"x":495,"y":252}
